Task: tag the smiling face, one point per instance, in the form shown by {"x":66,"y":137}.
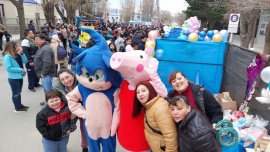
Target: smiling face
{"x":142,"y":94}
{"x":54,"y":103}
{"x":179,"y":111}
{"x":66,"y":79}
{"x":180,"y":83}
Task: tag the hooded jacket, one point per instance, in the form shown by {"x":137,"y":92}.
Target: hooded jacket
{"x":159,"y":117}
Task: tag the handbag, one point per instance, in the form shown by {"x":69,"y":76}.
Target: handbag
{"x":61,"y":52}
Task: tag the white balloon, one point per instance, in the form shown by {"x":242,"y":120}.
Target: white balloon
{"x":265,"y":74}
{"x":165,"y":28}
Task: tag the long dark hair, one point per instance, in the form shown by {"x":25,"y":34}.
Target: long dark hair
{"x":114,"y":50}
{"x":137,"y":106}
{"x":183,"y":99}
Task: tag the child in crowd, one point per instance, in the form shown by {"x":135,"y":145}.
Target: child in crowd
{"x":55,"y":122}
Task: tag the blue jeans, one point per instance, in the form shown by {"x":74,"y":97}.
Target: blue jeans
{"x":47,"y":83}
{"x":16,"y":88}
{"x":73,"y":68}
{"x":55,"y":146}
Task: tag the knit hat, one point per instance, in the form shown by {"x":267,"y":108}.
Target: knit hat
{"x":55,"y":37}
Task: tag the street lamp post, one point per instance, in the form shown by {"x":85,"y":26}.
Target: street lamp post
{"x":150,"y":11}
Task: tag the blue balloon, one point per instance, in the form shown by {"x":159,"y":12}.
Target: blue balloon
{"x":186,"y":30}
{"x":224,"y":34}
{"x":207,"y":39}
{"x":210,"y":34}
{"x":202,"y":34}
{"x":183,"y":37}
{"x":201,"y":38}
{"x":167,"y":34}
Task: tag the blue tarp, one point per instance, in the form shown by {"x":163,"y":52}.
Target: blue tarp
{"x":201,"y":62}
{"x":29,"y":1}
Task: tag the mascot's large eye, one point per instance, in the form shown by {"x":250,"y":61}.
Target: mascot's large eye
{"x":85,"y":73}
{"x":99,"y":75}
{"x":143,"y":57}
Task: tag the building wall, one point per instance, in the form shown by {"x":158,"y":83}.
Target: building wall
{"x":11,"y":15}
{"x":264,"y":19}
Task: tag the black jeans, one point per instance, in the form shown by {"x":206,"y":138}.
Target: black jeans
{"x":33,"y":80}
{"x":1,"y":41}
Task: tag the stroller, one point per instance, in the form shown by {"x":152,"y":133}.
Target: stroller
{"x":8,"y":36}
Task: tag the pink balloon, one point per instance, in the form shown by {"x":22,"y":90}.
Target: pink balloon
{"x":196,"y":31}
{"x":190,"y":24}
{"x":216,"y":31}
{"x":152,"y":35}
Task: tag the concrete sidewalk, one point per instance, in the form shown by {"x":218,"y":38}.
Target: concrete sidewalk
{"x":18,"y":132}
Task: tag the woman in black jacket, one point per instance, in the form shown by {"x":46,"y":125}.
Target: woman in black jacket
{"x":199,"y":98}
{"x":195,"y":133}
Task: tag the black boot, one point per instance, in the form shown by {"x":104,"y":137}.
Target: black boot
{"x":85,"y":150}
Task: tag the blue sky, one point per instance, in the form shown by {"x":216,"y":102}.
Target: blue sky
{"x":173,"y":6}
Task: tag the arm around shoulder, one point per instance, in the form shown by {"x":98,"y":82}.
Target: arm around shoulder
{"x":213,"y":109}
{"x":167,"y":126}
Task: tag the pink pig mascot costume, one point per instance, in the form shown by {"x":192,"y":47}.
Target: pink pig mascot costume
{"x":98,"y":89}
{"x":134,"y":66}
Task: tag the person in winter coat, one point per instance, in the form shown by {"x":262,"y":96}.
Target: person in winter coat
{"x":195,"y":133}
{"x":119,"y":42}
{"x":54,"y":43}
{"x":2,"y":30}
{"x":64,"y":32}
{"x":55,"y":122}
{"x":199,"y":98}
{"x":31,"y":26}
{"x":160,"y":130}
{"x":67,"y":82}
{"x":13,"y":62}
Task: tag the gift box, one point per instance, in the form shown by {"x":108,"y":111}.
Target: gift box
{"x":226,"y":101}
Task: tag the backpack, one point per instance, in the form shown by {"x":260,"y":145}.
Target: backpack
{"x":61,"y":52}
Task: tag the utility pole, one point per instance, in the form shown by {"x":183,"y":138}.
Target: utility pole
{"x":158,"y":11}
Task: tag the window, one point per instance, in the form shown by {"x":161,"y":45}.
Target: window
{"x":262,"y":29}
{"x":2,"y":10}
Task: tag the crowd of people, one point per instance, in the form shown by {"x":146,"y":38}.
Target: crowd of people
{"x":184,"y":121}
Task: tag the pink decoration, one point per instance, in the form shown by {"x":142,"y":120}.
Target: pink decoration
{"x":152,"y":35}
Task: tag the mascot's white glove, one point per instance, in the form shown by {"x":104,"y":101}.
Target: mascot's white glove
{"x":155,"y":79}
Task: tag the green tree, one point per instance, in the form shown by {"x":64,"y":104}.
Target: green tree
{"x":208,"y":11}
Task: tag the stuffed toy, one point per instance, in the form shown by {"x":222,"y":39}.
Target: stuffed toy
{"x":98,"y":89}
{"x":134,"y":66}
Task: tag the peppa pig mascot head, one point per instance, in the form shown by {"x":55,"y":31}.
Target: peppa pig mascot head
{"x":132,"y":64}
{"x":135,"y":66}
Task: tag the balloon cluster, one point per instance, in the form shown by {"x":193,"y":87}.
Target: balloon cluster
{"x":190,"y":31}
{"x":166,"y":29}
{"x":209,"y":36}
{"x":191,"y":25}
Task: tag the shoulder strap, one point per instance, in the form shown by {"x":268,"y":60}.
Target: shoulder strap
{"x":58,"y":43}
{"x":154,"y":130}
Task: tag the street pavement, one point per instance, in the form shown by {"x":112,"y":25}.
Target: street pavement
{"x":18,"y":131}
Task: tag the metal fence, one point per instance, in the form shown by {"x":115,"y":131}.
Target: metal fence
{"x":15,"y":21}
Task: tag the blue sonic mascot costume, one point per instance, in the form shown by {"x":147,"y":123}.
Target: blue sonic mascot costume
{"x":95,"y":99}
